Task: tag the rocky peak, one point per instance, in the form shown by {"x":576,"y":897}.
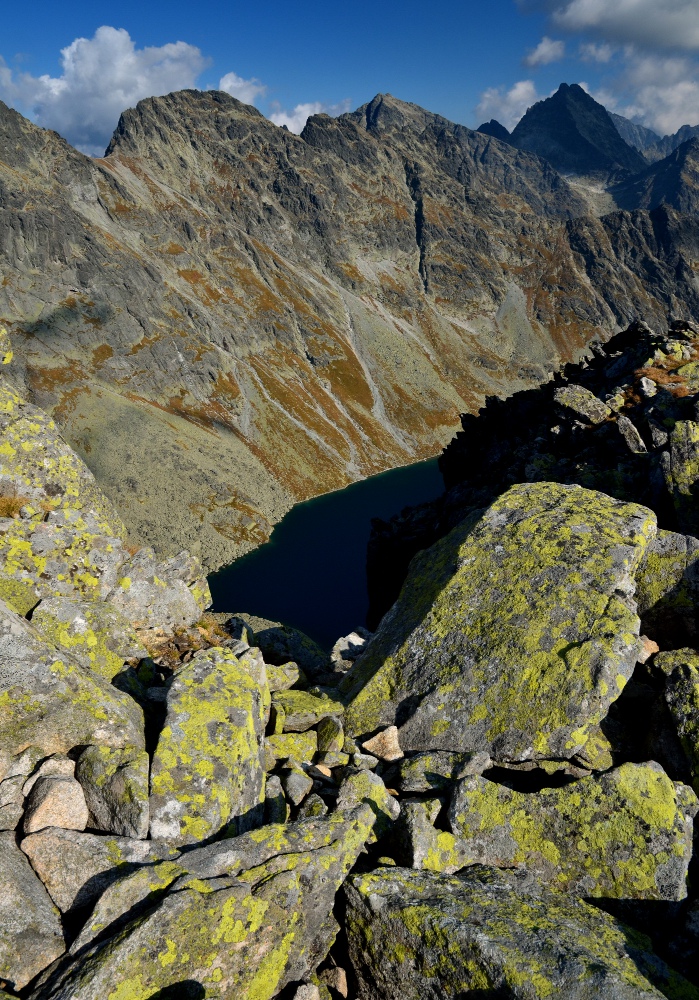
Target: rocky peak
{"x":495,"y":129}
{"x":575,"y":133}
{"x":385,"y":113}
{"x":673,"y":181}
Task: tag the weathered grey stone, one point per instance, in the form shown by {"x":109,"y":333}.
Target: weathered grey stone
{"x":95,"y":633}
{"x":296,"y":782}
{"x":313,"y":807}
{"x":681,"y":668}
{"x":582,"y":403}
{"x":420,"y":845}
{"x":281,"y":644}
{"x":416,"y":934}
{"x":301,"y":747}
{"x":667,"y":588}
{"x":77,"y":867}
{"x":163,"y":594}
{"x":436,"y":770}
{"x":208,"y":767}
{"x":276,"y":808}
{"x":50,"y":703}
{"x":300,"y":710}
{"x":283,"y":677}
{"x":681,"y":469}
{"x":623,"y":834}
{"x":514,"y":633}
{"x":57,"y":764}
{"x":347,"y":649}
{"x":630,"y":434}
{"x":250,"y":936}
{"x":31,"y":936}
{"x":115,"y":783}
{"x":361,"y":785}
{"x":56,"y":800}
{"x":331,"y":734}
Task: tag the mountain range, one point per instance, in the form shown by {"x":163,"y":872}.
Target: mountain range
{"x":224,"y":318}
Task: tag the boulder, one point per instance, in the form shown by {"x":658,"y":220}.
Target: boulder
{"x":50,"y":704}
{"x":276,"y":808}
{"x":115,"y":783}
{"x":296,"y":783}
{"x":681,"y":470}
{"x":489,"y":933}
{"x":281,"y":644}
{"x":667,"y":589}
{"x":347,"y":649}
{"x":246,"y":936}
{"x":208,"y":767}
{"x":16,"y":786}
{"x":56,"y":800}
{"x":166,"y":595}
{"x":623,"y":834}
{"x":437,"y":770}
{"x":31,"y":936}
{"x":419,"y":844}
{"x":301,"y":747}
{"x":385,"y":745}
{"x":300,"y":710}
{"x":576,"y":401}
{"x":95,"y":633}
{"x":514,"y":633}
{"x":283,"y":677}
{"x":632,"y":438}
{"x":77,"y":868}
{"x":681,"y":669}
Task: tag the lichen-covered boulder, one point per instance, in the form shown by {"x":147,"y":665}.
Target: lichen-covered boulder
{"x":281,"y":644}
{"x":667,"y":589}
{"x":67,"y":554}
{"x":681,"y":668}
{"x":246,"y":933}
{"x":487,"y":933}
{"x":418,"y":844}
{"x":115,"y":784}
{"x":37,"y":462}
{"x":50,"y":704}
{"x":208,"y":767}
{"x":78,"y":867}
{"x":167,"y":594}
{"x":579,"y":402}
{"x":299,"y":710}
{"x":31,"y":936}
{"x":95,"y":633}
{"x":514,"y":633}
{"x":623,"y":834}
{"x":681,"y":470}
{"x":436,"y":770}
{"x":301,"y":747}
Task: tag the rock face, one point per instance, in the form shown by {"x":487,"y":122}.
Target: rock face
{"x":211,"y":357}
{"x":473,"y":652}
{"x":208,"y":765}
{"x":672,"y":181}
{"x":413,"y":934}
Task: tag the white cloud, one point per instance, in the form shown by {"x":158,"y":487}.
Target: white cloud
{"x":245,"y":90}
{"x":296,"y":119}
{"x":547,"y":51}
{"x":591,"y":52}
{"x":507,"y":106}
{"x":653,"y":24}
{"x":102,"y":76}
{"x":664,"y":92}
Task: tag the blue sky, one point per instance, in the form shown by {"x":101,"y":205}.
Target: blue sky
{"x":75,"y":67}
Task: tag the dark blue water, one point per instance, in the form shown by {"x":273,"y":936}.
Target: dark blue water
{"x":312,"y":572}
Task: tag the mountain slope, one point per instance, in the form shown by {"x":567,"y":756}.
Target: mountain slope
{"x":633,"y":134}
{"x":673,"y":181}
{"x":663,"y":147}
{"x":576,"y":134}
{"x":225,"y":318}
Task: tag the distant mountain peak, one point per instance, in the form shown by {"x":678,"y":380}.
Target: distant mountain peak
{"x":495,"y":129}
{"x":576,"y":134}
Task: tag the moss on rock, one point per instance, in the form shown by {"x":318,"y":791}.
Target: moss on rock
{"x":514,"y":633}
{"x":626,"y":833}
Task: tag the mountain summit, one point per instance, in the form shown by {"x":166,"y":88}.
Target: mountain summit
{"x":576,"y":134}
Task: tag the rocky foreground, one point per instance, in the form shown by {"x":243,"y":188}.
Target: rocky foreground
{"x":492,"y":796}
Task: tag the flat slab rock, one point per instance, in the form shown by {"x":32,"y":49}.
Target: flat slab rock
{"x":512,"y":634}
{"x":488,"y":933}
